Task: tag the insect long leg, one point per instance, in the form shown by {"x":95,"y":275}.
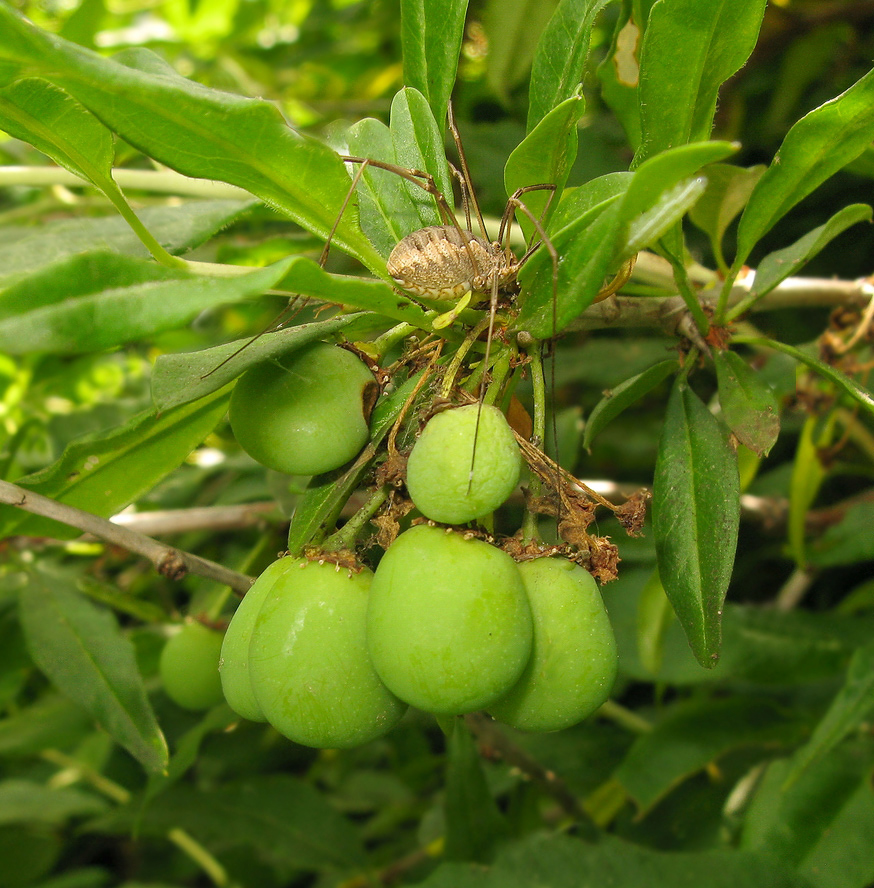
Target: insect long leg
{"x":465,"y":171}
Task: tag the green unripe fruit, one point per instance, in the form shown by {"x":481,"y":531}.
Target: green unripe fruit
{"x":189,"y":667}
{"x":448,"y":626}
{"x":234,"y":663}
{"x":573,"y":662}
{"x":308,"y":660}
{"x":439,"y":476}
{"x":305,"y":413}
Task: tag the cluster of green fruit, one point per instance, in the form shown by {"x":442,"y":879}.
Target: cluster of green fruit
{"x":331,"y":656}
{"x":331,"y":653}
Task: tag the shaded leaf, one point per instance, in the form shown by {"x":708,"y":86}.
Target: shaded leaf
{"x":623,"y":396}
{"x":848,"y":711}
{"x":23,"y":801}
{"x":749,"y":406}
{"x":654,"y":616}
{"x":281,"y":820}
{"x":848,"y":541}
{"x":474,"y":825}
{"x":513,"y":30}
{"x":619,"y":73}
{"x":102,"y":473}
{"x":821,"y":143}
{"x":823,"y":824}
{"x":52,"y":722}
{"x":780,"y":264}
{"x":80,"y":648}
{"x":560,"y":861}
{"x":694,"y":734}
{"x":695,"y":521}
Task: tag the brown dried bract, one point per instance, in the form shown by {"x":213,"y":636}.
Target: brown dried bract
{"x":388,"y":521}
{"x":393,"y":471}
{"x":342,"y":558}
{"x":632,"y":513}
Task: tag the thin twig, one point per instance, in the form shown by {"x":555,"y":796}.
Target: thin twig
{"x":215,"y":518}
{"x":168,"y":561}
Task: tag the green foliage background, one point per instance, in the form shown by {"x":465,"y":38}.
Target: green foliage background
{"x":757,"y":771}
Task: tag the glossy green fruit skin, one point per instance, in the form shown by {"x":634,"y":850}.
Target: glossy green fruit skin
{"x":449,"y":628}
{"x":189,"y":667}
{"x":308,"y":661}
{"x":574,"y":659}
{"x":234,"y":662}
{"x":303,"y":414}
{"x":438,"y":470}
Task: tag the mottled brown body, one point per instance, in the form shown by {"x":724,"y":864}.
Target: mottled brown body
{"x":444,"y":262}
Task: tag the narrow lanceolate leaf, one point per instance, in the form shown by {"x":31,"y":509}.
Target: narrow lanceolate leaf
{"x":26,"y":249}
{"x":99,"y":301}
{"x":512,"y":30}
{"x":695,"y":514}
{"x":431,"y":34}
{"x":103,"y":473}
{"x":619,"y":73}
{"x":53,"y":122}
{"x":560,"y":57}
{"x":781,"y":264}
{"x":689,"y":50}
{"x":474,"y":825}
{"x":81,"y":650}
{"x":195,"y":130}
{"x":418,"y":145}
{"x":749,"y":406}
{"x":821,"y":143}
{"x":544,"y":156}
{"x":848,"y":711}
{"x":622,"y":396}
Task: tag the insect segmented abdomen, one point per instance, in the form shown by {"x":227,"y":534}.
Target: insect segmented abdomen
{"x":437,"y":263}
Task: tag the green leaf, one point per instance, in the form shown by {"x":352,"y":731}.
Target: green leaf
{"x":418,"y":145}
{"x":695,"y":522}
{"x":623,"y":396}
{"x":38,"y":112}
{"x":277,"y":818}
{"x":619,"y":73}
{"x":103,"y":473}
{"x":843,"y":382}
{"x":80,"y":648}
{"x":823,"y":824}
{"x":694,"y":734}
{"x":431,"y":35}
{"x":23,"y":801}
{"x":51,"y":722}
{"x":849,"y":541}
{"x":27,"y":249}
{"x":728,"y":190}
{"x":594,"y":245}
{"x":513,"y":30}
{"x":847,"y":713}
{"x":749,"y":406}
{"x":545,"y":155}
{"x":560,"y":57}
{"x":195,"y":130}
{"x":808,"y":474}
{"x":689,"y":50}
{"x":780,"y":264}
{"x":820,"y":144}
{"x":98,"y":301}
{"x":474,"y":825}
{"x":561,"y":861}
{"x":654,"y":617}
{"x":186,"y":377}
